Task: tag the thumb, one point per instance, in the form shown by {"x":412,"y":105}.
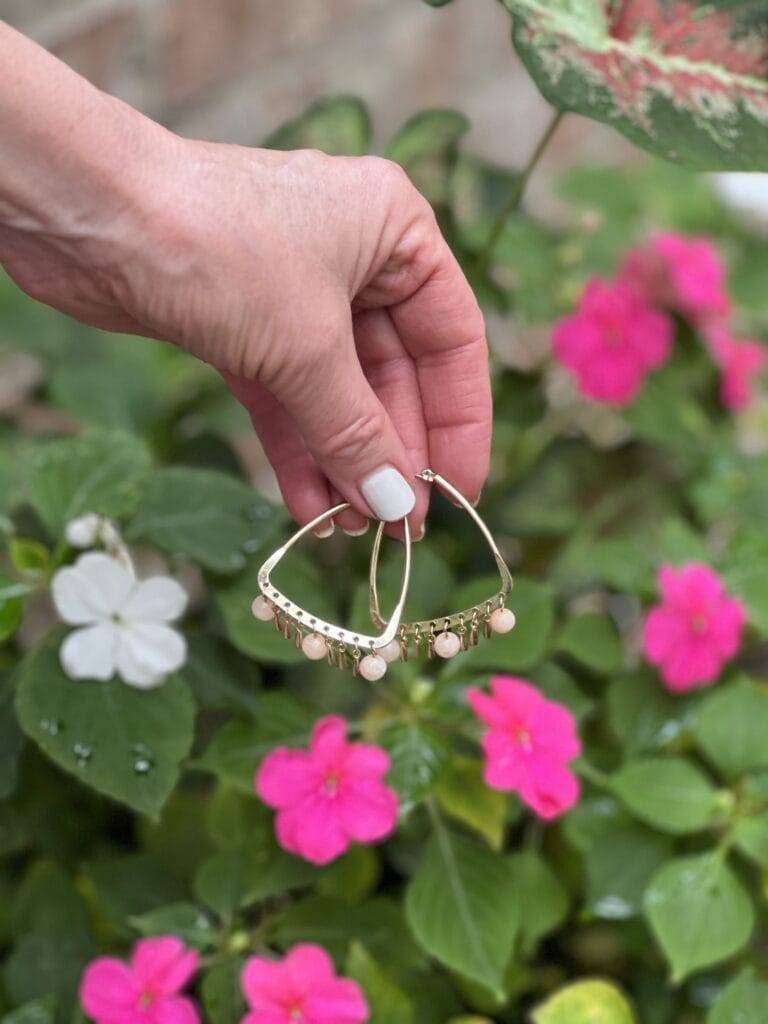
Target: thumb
{"x":348,"y":431}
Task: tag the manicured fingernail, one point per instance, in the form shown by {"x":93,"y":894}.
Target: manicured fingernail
{"x":325,"y":531}
{"x":419,"y":535}
{"x":388,"y":494}
{"x":357,"y":533}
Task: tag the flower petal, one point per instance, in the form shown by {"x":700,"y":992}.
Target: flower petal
{"x":285,"y":777}
{"x":163,"y":964}
{"x":90,"y":652}
{"x":328,"y":743}
{"x":108,"y":989}
{"x":159,"y":599}
{"x":367,"y":809}
{"x":263,"y":983}
{"x":148,"y":652}
{"x":307,"y":967}
{"x":340,"y":1001}
{"x":312,"y":830}
{"x":173,"y":1010}
{"x":549,"y":788}
{"x":94,"y":588}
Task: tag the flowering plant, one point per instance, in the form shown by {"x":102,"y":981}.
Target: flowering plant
{"x":567,"y":824}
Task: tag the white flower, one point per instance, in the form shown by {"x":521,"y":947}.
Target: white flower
{"x":124,"y":622}
{"x":83,"y":532}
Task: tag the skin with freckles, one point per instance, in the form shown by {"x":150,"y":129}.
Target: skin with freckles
{"x":320,"y":287}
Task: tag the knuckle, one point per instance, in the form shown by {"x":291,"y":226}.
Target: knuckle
{"x":352,"y":441}
{"x":387,"y":174}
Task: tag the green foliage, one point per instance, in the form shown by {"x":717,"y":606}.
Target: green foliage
{"x":699,"y":102}
{"x":119,"y":739}
{"x":128,"y":813}
{"x":699,"y":911}
{"x":209,"y":517}
{"x":586,"y":1002}
{"x":668,"y":793}
{"x":464,"y":908}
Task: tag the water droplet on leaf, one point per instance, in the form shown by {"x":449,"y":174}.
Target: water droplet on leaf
{"x":51,"y":725}
{"x":83,"y":754}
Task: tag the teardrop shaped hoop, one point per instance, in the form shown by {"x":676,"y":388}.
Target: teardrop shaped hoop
{"x":459,"y":630}
{"x":343,"y":647}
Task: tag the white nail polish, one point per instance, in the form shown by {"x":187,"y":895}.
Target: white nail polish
{"x":325,"y":531}
{"x":357,"y":533}
{"x":388,"y":494}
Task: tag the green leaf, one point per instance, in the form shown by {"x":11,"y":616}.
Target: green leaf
{"x":236,"y":749}
{"x":11,"y":605}
{"x":338,"y":125}
{"x":545,"y":904}
{"x":463,"y":794}
{"x":419,"y":754}
{"x":426,"y":147}
{"x":643,"y":716}
{"x":260,"y":640}
{"x":593,"y":640}
{"x":335,"y":924}
{"x":743,"y":561}
{"x":36,"y":1011}
{"x":52,"y":941}
{"x":585,"y":1002}
{"x":463,"y":906}
{"x":99,"y":471}
{"x":526,"y":645}
{"x":29,"y":557}
{"x":186,"y":920}
{"x":700,"y":100}
{"x":129,"y":885}
{"x":219,"y":677}
{"x":351,"y":877}
{"x":11,"y":742}
{"x":123,"y":742}
{"x":387,"y":1002}
{"x":221,"y":991}
{"x":210,"y":517}
{"x":619,"y":862}
{"x":751,"y":836}
{"x":699,"y":912}
{"x":731,"y":727}
{"x":667,"y":792}
{"x":742,"y":1001}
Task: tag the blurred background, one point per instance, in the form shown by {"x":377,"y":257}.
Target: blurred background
{"x":234,"y":69}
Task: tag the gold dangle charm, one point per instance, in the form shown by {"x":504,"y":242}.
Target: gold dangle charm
{"x":449,"y":634}
{"x":366,"y":655}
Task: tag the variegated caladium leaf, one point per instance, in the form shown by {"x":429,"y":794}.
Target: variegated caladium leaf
{"x":685,"y":79}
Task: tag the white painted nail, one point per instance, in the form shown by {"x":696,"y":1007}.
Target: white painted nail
{"x":357,"y":533}
{"x":388,"y":494}
{"x":325,"y":531}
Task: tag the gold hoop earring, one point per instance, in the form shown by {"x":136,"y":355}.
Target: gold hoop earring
{"x":449,"y":634}
{"x":365,"y":655}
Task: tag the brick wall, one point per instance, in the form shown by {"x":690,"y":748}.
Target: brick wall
{"x":233,"y":69}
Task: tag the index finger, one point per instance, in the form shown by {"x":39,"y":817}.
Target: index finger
{"x":442,"y":328}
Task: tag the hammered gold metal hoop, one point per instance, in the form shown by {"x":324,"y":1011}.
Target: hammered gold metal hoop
{"x":363,"y":653}
{"x":448,"y":634}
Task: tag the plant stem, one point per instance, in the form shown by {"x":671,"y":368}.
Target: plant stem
{"x":517,"y":192}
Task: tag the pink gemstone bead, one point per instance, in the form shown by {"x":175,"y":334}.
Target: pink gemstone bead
{"x":502,"y":620}
{"x":314,"y":646}
{"x":372,"y":667}
{"x":262,"y":609}
{"x":391,"y":651}
{"x":447,"y":644}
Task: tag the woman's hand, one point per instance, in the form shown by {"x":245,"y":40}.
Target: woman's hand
{"x":319,"y":286}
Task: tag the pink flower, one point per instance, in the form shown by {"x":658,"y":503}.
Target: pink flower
{"x":144,"y":991}
{"x":612,"y":341}
{"x":528,"y":745}
{"x":328,"y":796}
{"x":684,"y":274}
{"x":301,"y":988}
{"x":696,"y":628}
{"x":740,"y":363}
